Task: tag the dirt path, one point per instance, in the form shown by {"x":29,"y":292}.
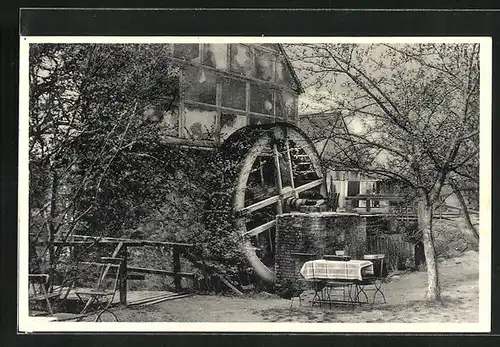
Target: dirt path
{"x":460,"y":292}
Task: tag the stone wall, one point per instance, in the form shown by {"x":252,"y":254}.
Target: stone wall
{"x":304,"y":236}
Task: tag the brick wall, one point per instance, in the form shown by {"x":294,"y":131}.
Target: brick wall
{"x":316,"y":234}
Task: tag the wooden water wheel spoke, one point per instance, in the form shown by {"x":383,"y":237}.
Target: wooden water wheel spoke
{"x":259,"y":205}
{"x":285,"y":194}
{"x":290,"y":165}
{"x":278,"y":178}
{"x":260,"y":229}
{"x":277,"y":162}
{"x":309,"y":185}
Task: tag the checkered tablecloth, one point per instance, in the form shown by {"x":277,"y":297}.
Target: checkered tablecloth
{"x":336,"y":270}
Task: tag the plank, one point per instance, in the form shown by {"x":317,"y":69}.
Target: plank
{"x":260,"y":204}
{"x":260,"y":229}
{"x":158,"y":271}
{"x":132,"y":242}
{"x":309,"y":185}
{"x":167,"y":299}
{"x":226,"y":282}
{"x":279,"y":207}
{"x":153,"y":298}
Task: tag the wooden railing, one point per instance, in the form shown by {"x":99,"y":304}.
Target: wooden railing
{"x":121,"y":249}
{"x":407,"y":212}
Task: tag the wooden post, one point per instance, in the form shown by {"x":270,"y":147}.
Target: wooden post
{"x":123,"y":276}
{"x":176,"y":261}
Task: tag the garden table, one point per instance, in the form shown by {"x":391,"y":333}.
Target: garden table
{"x":330,"y":274}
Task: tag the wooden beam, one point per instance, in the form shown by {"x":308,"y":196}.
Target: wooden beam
{"x":176,"y":261}
{"x":279,"y":206}
{"x":260,"y":229}
{"x":158,"y":271}
{"x":113,"y":256}
{"x":274,"y":199}
{"x":374,"y":197}
{"x":260,"y":204}
{"x":227,"y":283}
{"x":130,"y":242}
{"x":309,"y":185}
{"x":290,"y":166}
{"x":123,"y":272}
{"x":165,"y":298}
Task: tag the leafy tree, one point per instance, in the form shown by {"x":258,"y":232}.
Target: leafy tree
{"x":412,"y":115}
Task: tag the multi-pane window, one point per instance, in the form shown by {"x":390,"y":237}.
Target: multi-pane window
{"x":200,"y":123}
{"x":272,"y":46}
{"x":230,"y":122}
{"x":215,"y":55}
{"x":285,"y":105}
{"x":254,"y":120}
{"x":200,"y":86}
{"x":283,"y":75}
{"x":233,"y":93}
{"x":166,"y":118}
{"x":242,"y":60}
{"x":215,"y":104}
{"x":261,"y":99}
{"x":264,"y":65}
{"x":187,"y":51}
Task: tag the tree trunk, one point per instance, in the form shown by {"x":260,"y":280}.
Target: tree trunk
{"x":425,"y":225}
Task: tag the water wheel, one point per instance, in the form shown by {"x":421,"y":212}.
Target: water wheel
{"x":265,"y":167}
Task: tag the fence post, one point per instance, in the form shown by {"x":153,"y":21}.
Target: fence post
{"x":123,"y":276}
{"x":176,"y":261}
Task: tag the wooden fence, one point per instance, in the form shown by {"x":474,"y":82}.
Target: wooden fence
{"x":121,"y":249}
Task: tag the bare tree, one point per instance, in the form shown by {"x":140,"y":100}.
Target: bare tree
{"x":412,"y":114}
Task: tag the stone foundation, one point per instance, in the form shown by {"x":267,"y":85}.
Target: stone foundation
{"x":304,"y":236}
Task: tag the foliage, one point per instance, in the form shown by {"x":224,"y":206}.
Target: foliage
{"x":99,"y":162}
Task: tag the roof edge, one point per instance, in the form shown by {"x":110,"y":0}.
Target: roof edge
{"x":291,"y":68}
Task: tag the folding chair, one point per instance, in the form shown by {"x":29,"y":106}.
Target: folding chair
{"x":98,"y":299}
{"x":38,"y":291}
{"x":376,"y":280}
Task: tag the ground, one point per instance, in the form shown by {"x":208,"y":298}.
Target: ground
{"x":405,"y":293}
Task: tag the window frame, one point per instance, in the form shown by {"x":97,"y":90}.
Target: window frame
{"x":227,"y":74}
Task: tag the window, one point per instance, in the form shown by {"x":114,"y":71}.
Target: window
{"x":169,"y":124}
{"x":353,"y":190}
{"x":234,"y":94}
{"x":241,"y":60}
{"x":338,"y":175}
{"x":264,"y":65}
{"x":187,"y":51}
{"x":166,"y":118}
{"x":273,"y":46}
{"x":261,"y":99}
{"x":200,"y":86}
{"x":285,"y":106}
{"x":353,"y":176}
{"x":200,"y":123}
{"x":230,"y":122}
{"x":260,"y":120}
{"x":283,"y":75}
{"x":215,"y":55}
